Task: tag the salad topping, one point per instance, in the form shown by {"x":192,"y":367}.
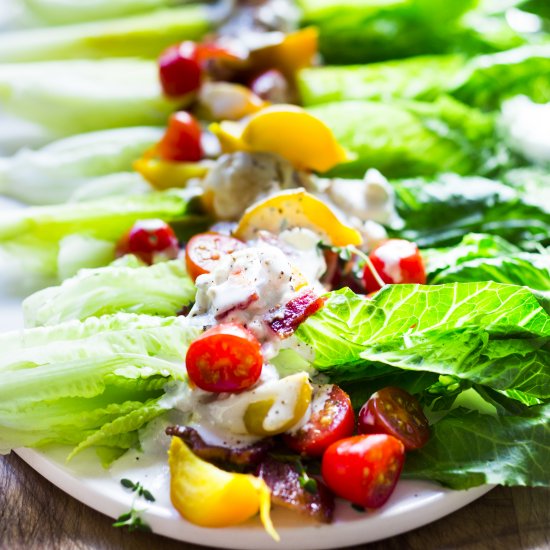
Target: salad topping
{"x":262,"y":274}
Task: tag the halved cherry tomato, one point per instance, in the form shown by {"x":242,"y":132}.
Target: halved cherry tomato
{"x":395,"y":412}
{"x":182,"y":140}
{"x":396,"y":261}
{"x":179,"y":69}
{"x":204,"y":251}
{"x":148,"y":238}
{"x":331,"y":419}
{"x":225,"y":358}
{"x":181,"y":66}
{"x":364,"y":469}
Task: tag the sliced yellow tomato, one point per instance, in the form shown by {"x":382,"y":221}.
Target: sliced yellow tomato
{"x":296,"y":135}
{"x":210,"y":497}
{"x":295,"y":208}
{"x":230,"y":135}
{"x":288,"y":130}
{"x":296,"y":51}
{"x":271,"y":416}
{"x":163,"y":174}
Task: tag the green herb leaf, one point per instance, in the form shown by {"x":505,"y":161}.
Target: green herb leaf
{"x":127,"y":483}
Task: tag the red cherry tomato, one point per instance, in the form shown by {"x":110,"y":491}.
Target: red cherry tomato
{"x":179,"y":69}
{"x":204,"y":251}
{"x":182,"y":140}
{"x":148,"y":238}
{"x":225,"y":358}
{"x":395,"y":412}
{"x":332,"y":419}
{"x":211,"y":50}
{"x":364,"y":469}
{"x":181,"y":66}
{"x":395,"y":261}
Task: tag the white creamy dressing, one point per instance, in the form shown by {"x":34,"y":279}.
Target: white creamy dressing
{"x":365,"y":204}
{"x":243,"y":288}
{"x":391,"y":256}
{"x":249,"y":284}
{"x":226,"y":412}
{"x":300,"y":245}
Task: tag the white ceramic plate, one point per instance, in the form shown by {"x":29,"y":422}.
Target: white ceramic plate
{"x":412,"y":505}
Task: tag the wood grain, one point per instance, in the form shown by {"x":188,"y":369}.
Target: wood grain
{"x":35,"y":515}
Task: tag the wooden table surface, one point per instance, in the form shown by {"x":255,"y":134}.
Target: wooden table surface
{"x":34,"y":514}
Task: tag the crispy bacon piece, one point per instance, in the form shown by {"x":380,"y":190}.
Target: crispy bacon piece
{"x":244,"y":457}
{"x":294,"y":312}
{"x":283,"y":479}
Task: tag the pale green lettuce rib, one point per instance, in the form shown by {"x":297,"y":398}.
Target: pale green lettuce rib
{"x":52,"y":174}
{"x":161,"y":289}
{"x":61,"y":12}
{"x":92,"y":382}
{"x":144,"y":35}
{"x":72,"y":97}
{"x":35,"y":237}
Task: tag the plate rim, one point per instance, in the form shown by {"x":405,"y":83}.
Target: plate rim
{"x":251,"y":536}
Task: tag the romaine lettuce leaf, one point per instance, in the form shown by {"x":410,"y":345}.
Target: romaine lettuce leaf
{"x":485,"y":333}
{"x":161,"y":289}
{"x":52,"y":174}
{"x":469,"y":449}
{"x":359,"y":31}
{"x":538,"y":7}
{"x":487,"y":258}
{"x":410,"y":137}
{"x":72,"y":97}
{"x":487,"y":80}
{"x":111,"y":185}
{"x":61,"y":12}
{"x":438,"y":213}
{"x":482,"y":81}
{"x":532,"y":270}
{"x":471,"y":247}
{"x":34,"y":236}
{"x":421,"y":78}
{"x":96,"y":381}
{"x":143,"y":35}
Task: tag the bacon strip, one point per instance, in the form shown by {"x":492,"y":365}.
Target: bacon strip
{"x":249,"y":456}
{"x":295,"y":311}
{"x":283,"y":479}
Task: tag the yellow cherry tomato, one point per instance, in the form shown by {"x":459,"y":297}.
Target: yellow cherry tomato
{"x":296,"y":51}
{"x":267,"y":416}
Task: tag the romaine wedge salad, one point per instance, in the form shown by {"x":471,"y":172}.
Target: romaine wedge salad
{"x":308,"y":240}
